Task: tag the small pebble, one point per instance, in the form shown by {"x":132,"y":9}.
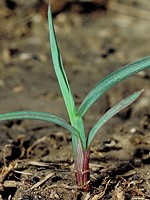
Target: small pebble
{"x":132,"y":130}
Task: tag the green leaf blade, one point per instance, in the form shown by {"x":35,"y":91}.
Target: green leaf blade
{"x":111,"y":112}
{"x":76,"y":121}
{"x":111,"y":80}
{"x":39,"y":116}
{"x":59,"y":69}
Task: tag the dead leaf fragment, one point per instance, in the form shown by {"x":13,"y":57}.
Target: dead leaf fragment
{"x":118,"y":194}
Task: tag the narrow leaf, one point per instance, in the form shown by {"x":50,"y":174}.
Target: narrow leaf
{"x":111,"y":80}
{"x":64,"y":84}
{"x":39,"y":116}
{"x":110,"y":113}
{"x":59,"y":69}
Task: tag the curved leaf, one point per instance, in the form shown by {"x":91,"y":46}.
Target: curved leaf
{"x":110,"y":113}
{"x":39,"y":116}
{"x":111,"y":80}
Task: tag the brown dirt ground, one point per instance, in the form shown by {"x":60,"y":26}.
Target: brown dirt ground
{"x":35,"y":157}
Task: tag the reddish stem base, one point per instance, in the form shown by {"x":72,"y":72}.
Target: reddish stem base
{"x":82,"y":171}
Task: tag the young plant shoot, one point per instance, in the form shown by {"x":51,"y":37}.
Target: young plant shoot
{"x":81,"y":143}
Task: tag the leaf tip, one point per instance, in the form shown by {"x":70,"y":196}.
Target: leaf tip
{"x":49,"y":7}
{"x":141,"y":91}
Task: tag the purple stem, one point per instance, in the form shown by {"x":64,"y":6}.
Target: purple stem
{"x":82,"y":167}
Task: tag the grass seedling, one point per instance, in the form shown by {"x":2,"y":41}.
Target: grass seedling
{"x":81,"y":143}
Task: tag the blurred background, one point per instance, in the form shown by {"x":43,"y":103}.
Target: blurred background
{"x":95,"y":37}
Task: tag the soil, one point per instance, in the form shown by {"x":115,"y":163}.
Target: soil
{"x":35,"y":157}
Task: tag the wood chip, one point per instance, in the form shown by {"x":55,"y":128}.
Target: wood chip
{"x":42,"y":181}
{"x":102,"y":193}
{"x":5,"y":170}
{"x":11,"y":183}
